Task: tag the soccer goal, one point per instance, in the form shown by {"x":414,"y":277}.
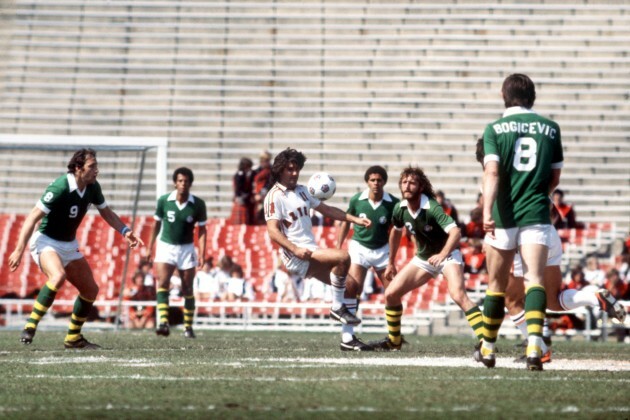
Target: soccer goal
{"x":132,"y":173}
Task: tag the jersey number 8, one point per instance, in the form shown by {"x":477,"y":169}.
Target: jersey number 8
{"x":525,"y":154}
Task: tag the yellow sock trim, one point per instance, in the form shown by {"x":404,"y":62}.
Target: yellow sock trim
{"x":30,"y":325}
{"x":534,"y":315}
{"x":87,"y":300}
{"x":498,"y":294}
{"x":51,"y":286}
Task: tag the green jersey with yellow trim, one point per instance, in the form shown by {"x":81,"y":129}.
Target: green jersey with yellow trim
{"x":379,"y":213}
{"x":429,"y":225}
{"x":65,"y":206}
{"x":527,"y":147}
{"x":178,"y":221}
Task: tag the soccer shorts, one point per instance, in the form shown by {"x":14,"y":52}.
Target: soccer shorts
{"x":553,"y":259}
{"x":507,"y":239}
{"x":454,"y":257}
{"x":183,"y":256}
{"x":294,"y":264}
{"x":67,"y":251}
{"x":366,"y":257}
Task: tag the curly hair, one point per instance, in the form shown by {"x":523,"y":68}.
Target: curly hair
{"x":376,"y":169}
{"x":283,"y":160}
{"x":184,"y":171}
{"x":425,"y":184}
{"x":79,"y":158}
{"x":479,"y":151}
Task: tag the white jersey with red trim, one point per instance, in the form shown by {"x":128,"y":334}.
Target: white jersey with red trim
{"x":292,"y":209}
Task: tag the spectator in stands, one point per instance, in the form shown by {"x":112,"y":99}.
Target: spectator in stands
{"x":577,"y":280}
{"x":145,"y":268}
{"x":474,"y":228}
{"x":176,"y":215}
{"x":262,"y":184}
{"x":238,"y":288}
{"x":475,"y":259}
{"x":592,"y":273}
{"x":140,"y":316}
{"x":617,"y":287}
{"x":206,"y":283}
{"x":289,"y":225}
{"x":244,"y":203}
{"x":223,"y":274}
{"x":562,"y":214}
{"x":447,"y":205}
{"x":315,"y":291}
{"x":55,"y":249}
{"x":289,"y":287}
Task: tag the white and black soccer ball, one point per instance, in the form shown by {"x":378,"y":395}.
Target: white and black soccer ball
{"x":322,"y":186}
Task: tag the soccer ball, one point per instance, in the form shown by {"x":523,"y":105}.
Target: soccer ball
{"x":322,"y":186}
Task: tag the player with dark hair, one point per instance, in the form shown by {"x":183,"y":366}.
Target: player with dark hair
{"x":368,"y":248}
{"x":175,"y":217}
{"x":287,"y":211}
{"x":55,"y":249}
{"x":522,"y":165}
{"x":437,"y":241}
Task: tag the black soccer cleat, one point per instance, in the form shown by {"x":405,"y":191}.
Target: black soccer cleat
{"x":610,"y":305}
{"x":80,"y":344}
{"x":477,"y":352}
{"x":163,"y":330}
{"x":355,"y":345}
{"x":26,"y":337}
{"x":189,"y":333}
{"x":387,"y":345}
{"x":344,"y":316}
{"x":534,"y":363}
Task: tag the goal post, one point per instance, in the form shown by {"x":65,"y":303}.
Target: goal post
{"x":29,"y":162}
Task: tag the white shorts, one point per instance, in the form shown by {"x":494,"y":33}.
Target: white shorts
{"x":368,"y":258}
{"x":183,"y":257}
{"x":553,"y":258}
{"x":294,"y":264}
{"x":454,"y":257}
{"x":512,"y":238}
{"x":67,"y":251}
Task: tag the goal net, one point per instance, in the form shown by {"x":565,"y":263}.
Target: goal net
{"x":132,"y":173}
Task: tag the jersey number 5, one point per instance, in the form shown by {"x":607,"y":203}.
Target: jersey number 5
{"x":170,"y":216}
{"x":525,"y":154}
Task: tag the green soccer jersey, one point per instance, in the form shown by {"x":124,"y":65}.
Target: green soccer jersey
{"x":178,"y":221}
{"x":379,"y":213}
{"x":65,"y":206}
{"x":527,"y":147}
{"x":429,"y":226}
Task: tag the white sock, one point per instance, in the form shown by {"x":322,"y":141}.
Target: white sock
{"x":347,"y":331}
{"x":519,"y":322}
{"x":571,"y":299}
{"x":338,"y":285}
{"x":534,"y":342}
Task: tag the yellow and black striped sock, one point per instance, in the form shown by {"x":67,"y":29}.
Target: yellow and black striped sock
{"x":189,"y":311}
{"x":535,"y":307}
{"x":45,"y":299}
{"x":393,"y":314}
{"x":475,"y":320}
{"x":493,"y":314}
{"x":80,"y":312}
{"x":162,"y":305}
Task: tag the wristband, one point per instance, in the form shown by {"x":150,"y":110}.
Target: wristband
{"x":124,"y":230}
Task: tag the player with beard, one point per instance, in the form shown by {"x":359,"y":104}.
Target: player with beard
{"x":437,"y":251}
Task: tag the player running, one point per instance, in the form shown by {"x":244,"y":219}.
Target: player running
{"x":287,"y":212}
{"x":368,"y":248}
{"x":437,"y":241}
{"x":55,"y":249}
{"x":175,"y":218}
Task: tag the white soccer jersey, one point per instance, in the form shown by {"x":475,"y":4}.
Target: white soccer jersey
{"x":292,"y":209}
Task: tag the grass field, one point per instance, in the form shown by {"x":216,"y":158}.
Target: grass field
{"x":302,"y":375}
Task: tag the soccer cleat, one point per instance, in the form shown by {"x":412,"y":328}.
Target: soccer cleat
{"x":355,"y":345}
{"x":81,"y":344}
{"x":27,"y":335}
{"x":344,"y":316}
{"x":609,"y":304}
{"x":534,"y":363}
{"x":387,"y":345}
{"x":477,"y":352}
{"x":189,"y":333}
{"x":163,"y":330}
{"x":546,"y":358}
{"x":489,"y":358}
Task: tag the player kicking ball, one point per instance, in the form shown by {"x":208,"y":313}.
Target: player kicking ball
{"x":287,"y":212}
{"x":55,"y":249}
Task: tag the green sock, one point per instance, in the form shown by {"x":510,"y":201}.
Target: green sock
{"x":80,"y":312}
{"x":162,"y":305}
{"x":493,"y":314}
{"x":44,"y":300}
{"x":475,"y":320}
{"x":393,"y":314}
{"x":189,"y":311}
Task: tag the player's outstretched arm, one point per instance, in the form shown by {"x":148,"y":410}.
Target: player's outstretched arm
{"x":454,"y":236}
{"x":338,"y":214}
{"x":114,"y":221}
{"x":25,"y":234}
